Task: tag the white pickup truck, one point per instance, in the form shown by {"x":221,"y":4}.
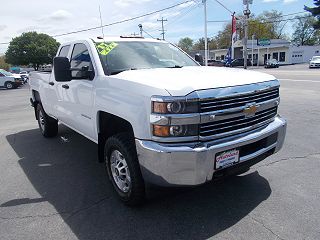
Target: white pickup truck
{"x":156,"y":114}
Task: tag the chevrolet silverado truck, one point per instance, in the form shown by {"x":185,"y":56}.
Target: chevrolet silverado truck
{"x":158,"y":116}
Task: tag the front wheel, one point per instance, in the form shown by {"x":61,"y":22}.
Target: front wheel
{"x":123,"y":168}
{"x":48,"y":126}
{"x":8,"y":85}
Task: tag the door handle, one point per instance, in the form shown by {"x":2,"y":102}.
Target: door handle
{"x":51,"y":83}
{"x":66,"y":86}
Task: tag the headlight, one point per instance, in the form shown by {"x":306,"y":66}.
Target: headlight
{"x":175,"y":107}
{"x":175,"y":131}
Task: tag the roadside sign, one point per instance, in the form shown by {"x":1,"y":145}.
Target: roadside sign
{"x":245,"y":2}
{"x":263,"y":42}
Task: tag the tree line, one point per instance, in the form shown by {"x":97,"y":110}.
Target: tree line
{"x":269,"y":24}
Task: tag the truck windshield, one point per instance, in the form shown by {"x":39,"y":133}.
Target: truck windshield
{"x":121,"y":56}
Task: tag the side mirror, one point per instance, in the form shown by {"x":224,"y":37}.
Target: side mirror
{"x":62,"y":71}
{"x":198,"y":57}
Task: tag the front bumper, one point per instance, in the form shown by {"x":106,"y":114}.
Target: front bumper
{"x":193,"y":163}
{"x":314,"y":65}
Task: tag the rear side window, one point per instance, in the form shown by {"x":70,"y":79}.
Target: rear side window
{"x":64,"y":51}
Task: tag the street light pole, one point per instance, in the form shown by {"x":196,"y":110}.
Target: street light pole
{"x":252,"y":50}
{"x":141,"y":29}
{"x":205,"y":33}
{"x":246,"y":12}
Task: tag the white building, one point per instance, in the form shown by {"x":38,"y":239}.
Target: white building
{"x":279,"y":49}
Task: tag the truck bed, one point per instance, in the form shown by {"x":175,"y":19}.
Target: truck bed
{"x":36,"y":77}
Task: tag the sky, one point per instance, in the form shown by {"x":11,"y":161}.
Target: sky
{"x":187,"y":20}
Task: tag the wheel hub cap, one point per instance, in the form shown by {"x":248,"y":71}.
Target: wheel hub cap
{"x":120,"y":171}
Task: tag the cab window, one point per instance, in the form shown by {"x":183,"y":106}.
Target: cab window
{"x":64,"y":51}
{"x":81,"y":64}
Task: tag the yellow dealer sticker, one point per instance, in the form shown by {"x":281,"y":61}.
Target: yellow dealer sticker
{"x":106,"y":48}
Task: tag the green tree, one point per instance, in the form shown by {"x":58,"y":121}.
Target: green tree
{"x":272,"y":22}
{"x":223,"y":38}
{"x":3,"y":64}
{"x":186,"y":44}
{"x":32,"y":48}
{"x":199,"y":44}
{"x":315,"y":11}
{"x":261,"y":26}
{"x":304,"y":33}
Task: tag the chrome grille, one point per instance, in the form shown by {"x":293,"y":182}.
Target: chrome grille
{"x":217,"y":104}
{"x":238,"y":124}
{"x":228,"y":113}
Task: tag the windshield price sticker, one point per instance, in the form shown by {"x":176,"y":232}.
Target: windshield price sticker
{"x":106,"y":48}
{"x":227,"y":158}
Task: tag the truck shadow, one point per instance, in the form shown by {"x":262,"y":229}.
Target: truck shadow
{"x":67,"y":175}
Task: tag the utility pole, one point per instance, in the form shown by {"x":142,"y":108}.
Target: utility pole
{"x":141,"y":30}
{"x":205,"y":32}
{"x":162,"y":30}
{"x":252,"y":49}
{"x":246,"y":12}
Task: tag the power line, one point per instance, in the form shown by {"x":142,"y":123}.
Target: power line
{"x":183,"y":15}
{"x":280,"y":20}
{"x":179,"y":17}
{"x":148,"y":34}
{"x":224,"y":6}
{"x":123,"y":21}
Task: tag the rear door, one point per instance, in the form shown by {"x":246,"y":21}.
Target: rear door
{"x":54,"y":91}
{"x":78,"y":95}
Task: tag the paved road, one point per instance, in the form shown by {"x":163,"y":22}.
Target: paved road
{"x":55,"y":189}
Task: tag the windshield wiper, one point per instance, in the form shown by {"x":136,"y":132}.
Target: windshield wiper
{"x":122,"y":70}
{"x":175,"y":66}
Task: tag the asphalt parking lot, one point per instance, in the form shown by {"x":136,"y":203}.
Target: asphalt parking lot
{"x":56,"y":189}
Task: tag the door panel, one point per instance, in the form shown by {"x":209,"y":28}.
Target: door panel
{"x":58,"y":91}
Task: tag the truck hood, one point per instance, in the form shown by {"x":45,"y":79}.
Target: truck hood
{"x":181,"y":81}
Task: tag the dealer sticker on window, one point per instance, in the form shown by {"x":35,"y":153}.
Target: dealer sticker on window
{"x":227,"y":158}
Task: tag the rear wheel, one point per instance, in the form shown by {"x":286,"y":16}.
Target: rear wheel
{"x":48,"y":125}
{"x":123,"y":169}
{"x":8,"y":85}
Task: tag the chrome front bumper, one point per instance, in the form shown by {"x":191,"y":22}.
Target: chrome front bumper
{"x":193,"y":163}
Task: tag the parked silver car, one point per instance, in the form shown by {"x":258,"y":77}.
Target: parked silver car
{"x":8,"y":80}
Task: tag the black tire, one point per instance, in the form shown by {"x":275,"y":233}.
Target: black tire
{"x":47,"y":125}
{"x":124,"y":143}
{"x":8,"y":85}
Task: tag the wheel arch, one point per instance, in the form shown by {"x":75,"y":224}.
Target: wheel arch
{"x":35,"y":101}
{"x":109,"y":125}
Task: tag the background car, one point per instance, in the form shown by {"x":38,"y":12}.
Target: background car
{"x":215,"y":63}
{"x":24,"y":75}
{"x":271,"y":63}
{"x":314,"y":62}
{"x":239,"y":62}
{"x":8,"y":81}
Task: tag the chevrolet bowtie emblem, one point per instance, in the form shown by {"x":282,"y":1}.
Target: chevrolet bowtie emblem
{"x":250,"y":110}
